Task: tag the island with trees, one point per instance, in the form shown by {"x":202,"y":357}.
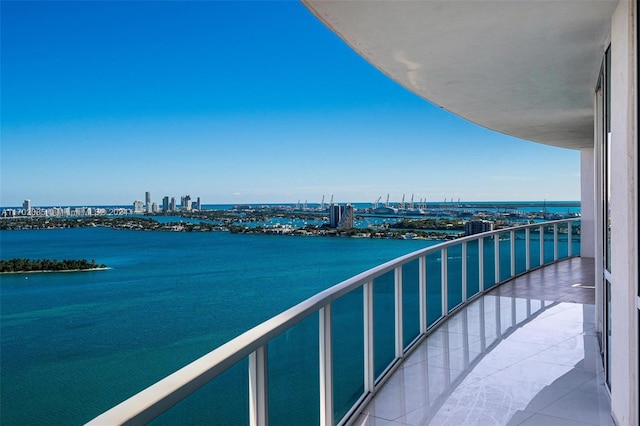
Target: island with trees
{"x":46,"y":265}
{"x":274,"y":220}
{"x":243,"y":223}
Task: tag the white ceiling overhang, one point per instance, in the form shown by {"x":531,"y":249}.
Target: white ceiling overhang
{"x":520,"y":67}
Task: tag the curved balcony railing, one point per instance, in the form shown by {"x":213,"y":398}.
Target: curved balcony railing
{"x":331,"y":353}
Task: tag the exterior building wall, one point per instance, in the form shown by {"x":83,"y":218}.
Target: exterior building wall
{"x":624,"y":232}
{"x":587,"y":203}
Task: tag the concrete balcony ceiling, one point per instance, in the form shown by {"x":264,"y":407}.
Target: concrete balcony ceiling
{"x":523,"y":68}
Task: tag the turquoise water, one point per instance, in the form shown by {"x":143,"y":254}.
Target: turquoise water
{"x":75,"y":344}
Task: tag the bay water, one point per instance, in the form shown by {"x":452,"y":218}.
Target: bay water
{"x":75,"y":344}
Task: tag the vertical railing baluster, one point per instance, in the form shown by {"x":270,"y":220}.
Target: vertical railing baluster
{"x":326,"y":366}
{"x":527,"y":247}
{"x":398,"y":314}
{"x":464,"y":271}
{"x":555,"y":242}
{"x":443,"y":281}
{"x":369,"y":369}
{"x":512,"y":237}
{"x":496,"y":255}
{"x":541,"y":231}
{"x":422,"y":291}
{"x":258,"y":398}
{"x":569,"y":239}
{"x":481,"y":264}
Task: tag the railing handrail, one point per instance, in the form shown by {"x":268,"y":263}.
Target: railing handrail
{"x":159,"y":397}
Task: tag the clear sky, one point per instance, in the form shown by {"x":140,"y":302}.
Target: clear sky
{"x":234,"y":102}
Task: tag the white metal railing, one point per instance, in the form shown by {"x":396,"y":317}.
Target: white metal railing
{"x":161,"y":396}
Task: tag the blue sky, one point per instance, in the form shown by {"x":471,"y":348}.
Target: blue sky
{"x":235,"y":102}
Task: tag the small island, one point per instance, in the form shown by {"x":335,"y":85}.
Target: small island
{"x":46,"y":265}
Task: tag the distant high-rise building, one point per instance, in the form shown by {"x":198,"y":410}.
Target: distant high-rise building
{"x":477,"y":227}
{"x":154,"y":207}
{"x":26,"y":205}
{"x":341,"y":217}
{"x":185,"y":202}
{"x":165,"y":204}
{"x":138,"y":207}
{"x":147,"y":202}
{"x":172,"y":206}
{"x":334,"y":215}
{"x":346,"y":217}
{"x":198,"y":206}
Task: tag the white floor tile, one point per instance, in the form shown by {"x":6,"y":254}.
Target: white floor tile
{"x":586,"y":407}
{"x":542,"y":420}
{"x":542,"y":336}
{"x":369,"y":420}
{"x":393,"y":402}
{"x":507,"y":369}
{"x":519,"y":417}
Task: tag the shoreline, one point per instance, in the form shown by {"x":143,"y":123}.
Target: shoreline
{"x":51,"y":271}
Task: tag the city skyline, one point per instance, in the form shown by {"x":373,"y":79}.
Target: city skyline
{"x":242,"y":103}
{"x":403,"y":202}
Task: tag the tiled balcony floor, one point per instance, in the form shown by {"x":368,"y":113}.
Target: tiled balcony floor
{"x":505,"y":360}
{"x":561,"y":282}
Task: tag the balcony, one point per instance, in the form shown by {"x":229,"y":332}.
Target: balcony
{"x":422,"y":338}
{"x":525,"y":353}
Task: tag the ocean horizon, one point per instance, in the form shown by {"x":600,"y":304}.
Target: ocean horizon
{"x":526,"y":204}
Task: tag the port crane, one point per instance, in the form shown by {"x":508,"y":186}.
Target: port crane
{"x":375,"y":203}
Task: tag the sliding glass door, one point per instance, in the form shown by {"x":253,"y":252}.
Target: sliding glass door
{"x":603,"y":146}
